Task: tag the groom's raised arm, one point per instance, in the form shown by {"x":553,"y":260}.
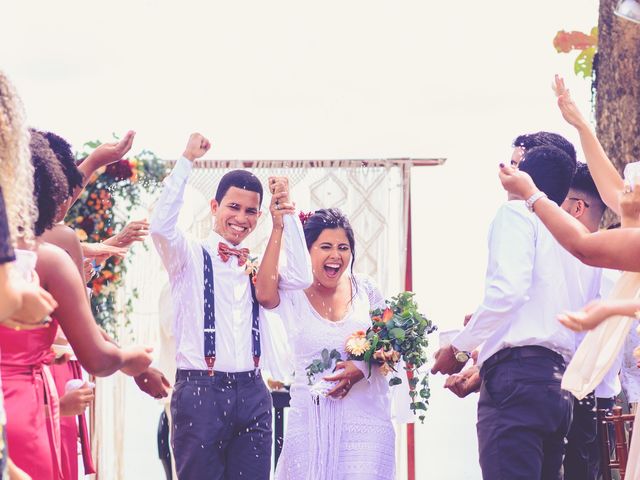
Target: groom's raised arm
{"x":168,"y":239}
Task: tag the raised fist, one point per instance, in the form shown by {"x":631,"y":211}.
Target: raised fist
{"x":196,"y":147}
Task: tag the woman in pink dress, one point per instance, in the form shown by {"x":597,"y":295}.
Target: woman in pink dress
{"x":28,"y":301}
{"x":31,"y":400}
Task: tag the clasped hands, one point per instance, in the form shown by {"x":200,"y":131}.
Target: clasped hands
{"x":281,"y":203}
{"x":461,"y":383}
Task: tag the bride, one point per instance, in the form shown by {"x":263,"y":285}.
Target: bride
{"x":348,"y":433}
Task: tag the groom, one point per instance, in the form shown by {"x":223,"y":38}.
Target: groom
{"x":221,"y":408}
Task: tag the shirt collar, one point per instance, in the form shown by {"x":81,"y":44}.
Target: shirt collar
{"x":214,"y":238}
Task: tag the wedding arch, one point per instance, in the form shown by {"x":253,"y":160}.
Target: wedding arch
{"x":376,"y":196}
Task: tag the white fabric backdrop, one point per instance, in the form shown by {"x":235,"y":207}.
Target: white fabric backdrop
{"x":375,"y":200}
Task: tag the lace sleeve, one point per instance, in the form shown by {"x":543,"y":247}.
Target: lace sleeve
{"x":376,"y":299}
{"x":6,"y":250}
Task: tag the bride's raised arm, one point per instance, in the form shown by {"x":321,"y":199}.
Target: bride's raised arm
{"x":267,"y":278}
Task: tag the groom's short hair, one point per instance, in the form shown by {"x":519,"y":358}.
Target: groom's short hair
{"x":240,"y":179}
{"x":551,"y":169}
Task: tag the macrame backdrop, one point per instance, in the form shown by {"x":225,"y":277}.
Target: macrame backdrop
{"x":375,"y":197}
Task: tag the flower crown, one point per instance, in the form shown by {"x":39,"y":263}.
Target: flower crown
{"x":305,"y":216}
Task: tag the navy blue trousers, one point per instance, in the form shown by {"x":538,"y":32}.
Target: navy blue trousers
{"x":221,"y":426}
{"x":582,"y":458}
{"x":523,"y":415}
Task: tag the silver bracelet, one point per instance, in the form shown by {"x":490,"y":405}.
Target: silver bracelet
{"x":534,"y":198}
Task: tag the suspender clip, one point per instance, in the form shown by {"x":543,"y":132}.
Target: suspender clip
{"x":256,"y":364}
{"x":210,"y":361}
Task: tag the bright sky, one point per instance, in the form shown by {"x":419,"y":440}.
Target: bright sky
{"x":332,"y":79}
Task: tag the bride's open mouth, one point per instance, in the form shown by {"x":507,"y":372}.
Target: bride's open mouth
{"x":331,"y":269}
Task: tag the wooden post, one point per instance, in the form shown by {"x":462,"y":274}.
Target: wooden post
{"x":408,"y":285}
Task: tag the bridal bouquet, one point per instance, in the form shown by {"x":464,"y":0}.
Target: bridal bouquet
{"x":397,"y":332}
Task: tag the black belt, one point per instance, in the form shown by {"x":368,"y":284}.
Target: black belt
{"x":226,"y":376}
{"x":528,"y":351}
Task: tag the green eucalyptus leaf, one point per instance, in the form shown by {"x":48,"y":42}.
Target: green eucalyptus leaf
{"x":395,"y":381}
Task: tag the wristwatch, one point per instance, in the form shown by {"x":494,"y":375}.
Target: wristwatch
{"x":462,"y":356}
{"x":534,"y":198}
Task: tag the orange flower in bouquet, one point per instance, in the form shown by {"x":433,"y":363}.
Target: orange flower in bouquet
{"x":357,"y":343}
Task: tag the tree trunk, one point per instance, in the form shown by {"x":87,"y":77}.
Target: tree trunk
{"x":618,"y":87}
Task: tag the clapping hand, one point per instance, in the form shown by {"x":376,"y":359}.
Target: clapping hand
{"x":76,"y":401}
{"x":153,"y":382}
{"x":100,"y":252}
{"x":568,"y":108}
{"x":136,"y":360}
{"x":109,"y":153}
{"x":135,"y":231}
{"x":590,"y":316}
{"x":629,"y":202}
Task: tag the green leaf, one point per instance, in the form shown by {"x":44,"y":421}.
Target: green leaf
{"x":368,"y":353}
{"x":397,"y":333}
{"x":395,"y":381}
{"x":584,"y":62}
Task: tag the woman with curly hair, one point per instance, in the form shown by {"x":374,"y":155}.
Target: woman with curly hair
{"x":30,"y":394}
{"x":24,"y":304}
{"x":16,"y":171}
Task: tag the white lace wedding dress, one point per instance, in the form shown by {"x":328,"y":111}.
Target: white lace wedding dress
{"x":326,"y":439}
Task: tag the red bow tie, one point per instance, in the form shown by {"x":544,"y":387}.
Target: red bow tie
{"x":225,"y":251}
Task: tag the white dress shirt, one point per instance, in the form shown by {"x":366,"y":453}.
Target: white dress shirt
{"x":526,"y":286}
{"x":183,"y":259}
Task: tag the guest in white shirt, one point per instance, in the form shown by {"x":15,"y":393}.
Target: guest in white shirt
{"x":523,"y":414}
{"x":468,"y":380}
{"x":221,"y":408}
{"x":582,"y":458}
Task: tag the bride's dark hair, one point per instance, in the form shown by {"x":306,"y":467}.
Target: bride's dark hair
{"x":329,"y":218}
